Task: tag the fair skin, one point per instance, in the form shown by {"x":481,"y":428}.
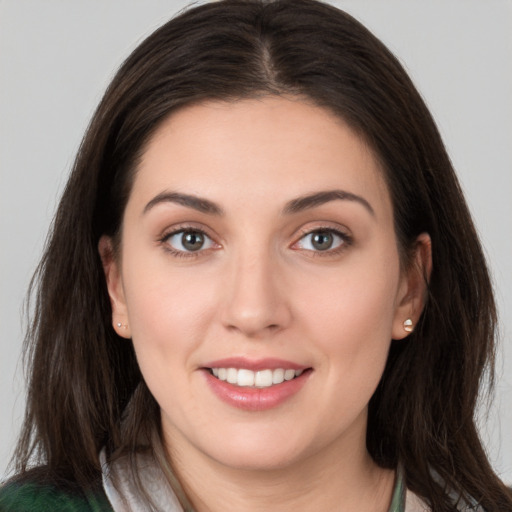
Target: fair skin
{"x":251,"y":278}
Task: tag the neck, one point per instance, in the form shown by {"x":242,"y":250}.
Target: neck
{"x":341,"y":478}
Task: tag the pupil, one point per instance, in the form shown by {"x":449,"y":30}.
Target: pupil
{"x":322,"y":241}
{"x":192,"y":241}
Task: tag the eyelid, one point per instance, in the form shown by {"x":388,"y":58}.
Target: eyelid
{"x":183,"y":228}
{"x":344,"y":234}
{"x":340,"y":232}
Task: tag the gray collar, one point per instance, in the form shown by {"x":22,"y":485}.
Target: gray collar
{"x":124,"y":496}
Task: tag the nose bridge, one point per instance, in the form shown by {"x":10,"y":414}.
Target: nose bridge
{"x":254,"y":300}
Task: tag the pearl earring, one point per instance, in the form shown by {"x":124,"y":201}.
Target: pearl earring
{"x":408,"y":325}
{"x":119,"y":324}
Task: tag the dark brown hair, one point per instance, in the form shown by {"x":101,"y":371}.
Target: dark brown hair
{"x":84,"y":379}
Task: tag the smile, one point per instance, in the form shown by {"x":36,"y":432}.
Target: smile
{"x":255,"y":379}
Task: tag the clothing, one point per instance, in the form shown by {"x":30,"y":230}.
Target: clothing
{"x":31,"y":496}
{"x":153,"y":480}
{"x":123,"y":496}
{"x":34,"y":497}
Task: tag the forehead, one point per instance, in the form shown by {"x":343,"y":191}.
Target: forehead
{"x":272,"y":148}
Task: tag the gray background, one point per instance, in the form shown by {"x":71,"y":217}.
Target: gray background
{"x":57,"y":56}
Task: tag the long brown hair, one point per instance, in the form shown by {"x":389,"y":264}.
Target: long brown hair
{"x":86,"y":391}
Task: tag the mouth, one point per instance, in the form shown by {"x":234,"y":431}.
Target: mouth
{"x":265,"y":378}
{"x":255,"y":384}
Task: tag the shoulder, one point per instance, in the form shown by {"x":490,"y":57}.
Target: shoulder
{"x":29,"y":494}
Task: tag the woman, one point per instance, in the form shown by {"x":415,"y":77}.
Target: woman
{"x":256,"y":292}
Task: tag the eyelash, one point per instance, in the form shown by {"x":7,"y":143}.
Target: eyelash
{"x":346,"y":241}
{"x":164,"y":240}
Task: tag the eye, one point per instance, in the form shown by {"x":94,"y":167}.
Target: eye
{"x":189,"y":240}
{"x":322,"y":240}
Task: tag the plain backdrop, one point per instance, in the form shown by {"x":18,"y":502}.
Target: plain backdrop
{"x":57,"y":56}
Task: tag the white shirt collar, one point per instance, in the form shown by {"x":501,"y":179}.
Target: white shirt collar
{"x":123,"y":494}
{"x":121,"y":491}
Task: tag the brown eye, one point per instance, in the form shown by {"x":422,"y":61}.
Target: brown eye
{"x":187,"y":241}
{"x":322,"y":241}
{"x":192,"y":240}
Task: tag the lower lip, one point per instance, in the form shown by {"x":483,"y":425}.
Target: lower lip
{"x":256,"y":399}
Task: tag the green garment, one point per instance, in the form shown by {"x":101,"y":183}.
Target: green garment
{"x":398,"y":499}
{"x":35,"y":497}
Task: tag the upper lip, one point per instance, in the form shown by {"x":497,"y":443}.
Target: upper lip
{"x":254,"y":364}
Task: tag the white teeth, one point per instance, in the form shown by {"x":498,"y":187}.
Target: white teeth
{"x":231,"y":376}
{"x":245,"y":378}
{"x":263,"y":379}
{"x":278,"y":376}
{"x":260,"y":379}
{"x":289,"y":374}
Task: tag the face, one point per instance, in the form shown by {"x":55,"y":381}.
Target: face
{"x":259,"y":280}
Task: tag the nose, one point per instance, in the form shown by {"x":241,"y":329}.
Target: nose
{"x":255,"y":302}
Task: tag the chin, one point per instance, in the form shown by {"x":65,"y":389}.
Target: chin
{"x":258,"y":460}
{"x":257,"y":453}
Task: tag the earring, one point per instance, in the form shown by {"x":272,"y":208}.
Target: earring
{"x":119,"y":324}
{"x":408,"y":325}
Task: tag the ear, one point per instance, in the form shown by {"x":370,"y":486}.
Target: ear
{"x":113,"y":277}
{"x":413,"y":288}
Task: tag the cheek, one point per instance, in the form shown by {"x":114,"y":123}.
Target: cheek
{"x":168,"y":310}
{"x":169,"y":314}
{"x":351,"y":317}
{"x":357,"y":298}
{"x":171,"y":311}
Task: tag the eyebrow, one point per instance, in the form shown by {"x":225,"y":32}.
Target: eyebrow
{"x":319,"y":198}
{"x":294,"y":206}
{"x":197,"y":203}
